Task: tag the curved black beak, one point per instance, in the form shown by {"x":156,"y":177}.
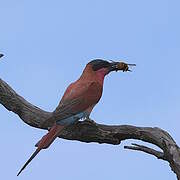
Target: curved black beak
{"x":113,"y":66}
{"x":120,"y":66}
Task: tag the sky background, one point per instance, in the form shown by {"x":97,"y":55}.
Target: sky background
{"x":46,"y":46}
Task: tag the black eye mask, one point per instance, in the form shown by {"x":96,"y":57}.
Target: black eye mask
{"x":99,"y":64}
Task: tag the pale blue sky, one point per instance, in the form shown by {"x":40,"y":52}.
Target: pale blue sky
{"x":46,"y":46}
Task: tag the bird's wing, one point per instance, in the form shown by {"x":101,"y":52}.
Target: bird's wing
{"x":78,"y":99}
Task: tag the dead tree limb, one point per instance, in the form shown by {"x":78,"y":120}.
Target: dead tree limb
{"x":88,"y":131}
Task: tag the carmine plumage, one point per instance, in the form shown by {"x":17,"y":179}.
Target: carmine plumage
{"x":77,"y":102}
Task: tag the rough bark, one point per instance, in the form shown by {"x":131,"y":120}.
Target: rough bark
{"x":89,"y":131}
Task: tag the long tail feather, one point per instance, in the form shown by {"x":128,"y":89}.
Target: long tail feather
{"x":44,"y":143}
{"x":47,"y":140}
{"x":29,"y":160}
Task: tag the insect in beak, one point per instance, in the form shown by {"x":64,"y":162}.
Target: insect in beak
{"x":117,"y":66}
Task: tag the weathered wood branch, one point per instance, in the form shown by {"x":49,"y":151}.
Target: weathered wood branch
{"x":89,"y":131}
{"x":137,"y":147}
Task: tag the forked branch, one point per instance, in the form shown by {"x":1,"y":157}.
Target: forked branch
{"x":89,"y":131}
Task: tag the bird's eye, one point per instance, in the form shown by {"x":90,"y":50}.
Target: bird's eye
{"x":99,"y":64}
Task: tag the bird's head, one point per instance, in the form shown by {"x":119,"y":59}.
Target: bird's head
{"x":100,"y":68}
{"x":105,"y":67}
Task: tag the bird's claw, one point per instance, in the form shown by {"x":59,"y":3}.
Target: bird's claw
{"x":90,"y":120}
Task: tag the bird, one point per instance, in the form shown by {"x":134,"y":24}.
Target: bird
{"x":78,"y":101}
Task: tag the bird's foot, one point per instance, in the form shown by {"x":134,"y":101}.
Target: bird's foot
{"x":90,"y":120}
{"x":76,"y":122}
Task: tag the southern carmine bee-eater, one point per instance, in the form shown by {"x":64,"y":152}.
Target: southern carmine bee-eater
{"x":78,"y":100}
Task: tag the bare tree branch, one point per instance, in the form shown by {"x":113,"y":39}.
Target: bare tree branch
{"x":137,"y":147}
{"x":89,"y":131}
